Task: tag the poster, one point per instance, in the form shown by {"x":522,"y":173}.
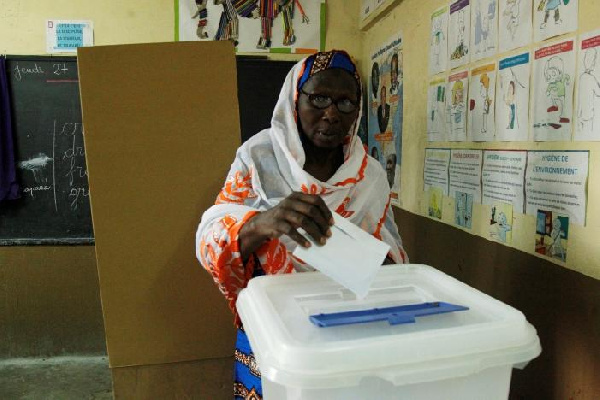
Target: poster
{"x":484,"y":29}
{"x":553,"y":74}
{"x":587,"y":91}
{"x":515,"y":24}
{"x":554,"y":17}
{"x":459,"y":32}
{"x":463,"y":209}
{"x":482,"y":97}
{"x":503,"y":177}
{"x":436,"y":111}
{"x":465,"y":172}
{"x":385,"y":110}
{"x":367,"y":7}
{"x":512,"y":99}
{"x":438,"y":41}
{"x":552,"y":234}
{"x":435,"y":171}
{"x":242,"y":24}
{"x":556,"y":181}
{"x":457,"y":90}
{"x":65,"y":36}
{"x":435,"y":198}
{"x":501,"y":217}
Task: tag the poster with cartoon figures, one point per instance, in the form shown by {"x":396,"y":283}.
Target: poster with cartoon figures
{"x":515,"y":24}
{"x":512,"y":99}
{"x":465,"y":172}
{"x":438,"y":41}
{"x":553,"y":74}
{"x":551,"y":234}
{"x":459,"y":32}
{"x":484,"y":29}
{"x":457,"y":89}
{"x":501,"y":221}
{"x":436,"y":105}
{"x":587,"y":126}
{"x":385,"y":110}
{"x":482,"y":95}
{"x":278,"y":25}
{"x":463,"y":209}
{"x":554,"y":17}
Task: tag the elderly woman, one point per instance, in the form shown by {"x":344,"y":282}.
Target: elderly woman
{"x":309,"y":164}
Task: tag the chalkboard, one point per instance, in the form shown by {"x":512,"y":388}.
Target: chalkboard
{"x":54,"y":207}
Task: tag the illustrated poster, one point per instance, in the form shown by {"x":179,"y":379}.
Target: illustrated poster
{"x":552,"y":234}
{"x":515,"y":24}
{"x":436,"y":111}
{"x":438,"y":41}
{"x":482,"y":96}
{"x":587,"y":90}
{"x":503,"y":177}
{"x":459,"y":32}
{"x":484,"y":29}
{"x":512,"y":99}
{"x":465,"y":172}
{"x":457,"y":90}
{"x":554,"y":17}
{"x":435,"y":171}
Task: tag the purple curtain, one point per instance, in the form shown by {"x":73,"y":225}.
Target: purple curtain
{"x":9,"y":189}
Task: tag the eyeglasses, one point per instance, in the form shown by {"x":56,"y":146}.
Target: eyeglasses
{"x":321,"y":102}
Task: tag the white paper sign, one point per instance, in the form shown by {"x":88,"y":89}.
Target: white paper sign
{"x":554,"y":17}
{"x":436,"y":111}
{"x":459,"y":32}
{"x":587,"y":90}
{"x":435,"y":172}
{"x":457,"y":90}
{"x":484,"y":29}
{"x":503,"y":177}
{"x":465,"y":172}
{"x":515,"y":24}
{"x":65,"y":36}
{"x":438,"y":41}
{"x":512,"y":99}
{"x":482,"y":96}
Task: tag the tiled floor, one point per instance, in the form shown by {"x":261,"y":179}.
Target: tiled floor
{"x":60,"y":378}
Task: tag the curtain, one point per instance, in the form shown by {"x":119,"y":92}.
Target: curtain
{"x":9,"y":189}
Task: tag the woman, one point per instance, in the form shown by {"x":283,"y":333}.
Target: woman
{"x":309,"y":164}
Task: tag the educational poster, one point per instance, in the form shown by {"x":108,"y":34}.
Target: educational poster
{"x":512,"y":99}
{"x":436,"y":107}
{"x":457,"y":89}
{"x":367,"y":7}
{"x":463,"y":213}
{"x":465,"y":172}
{"x":385,"y":110}
{"x":482,"y":96}
{"x":459,"y":32}
{"x":501,"y":217}
{"x":587,"y":107}
{"x":515,"y":24}
{"x":484,"y":29}
{"x":435,"y":171}
{"x":554,"y":17}
{"x":552,"y":234}
{"x":556,"y":181}
{"x":295,"y":29}
{"x":438,"y":41}
{"x":553,"y":74}
{"x":503,"y":177}
{"x":65,"y":36}
{"x":435,"y":198}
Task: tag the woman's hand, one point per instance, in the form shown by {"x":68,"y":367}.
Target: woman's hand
{"x":298,"y":210}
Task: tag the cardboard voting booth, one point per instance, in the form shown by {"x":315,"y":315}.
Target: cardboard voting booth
{"x":161,"y":130}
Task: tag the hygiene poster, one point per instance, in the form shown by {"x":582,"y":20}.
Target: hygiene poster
{"x":436,"y":110}
{"x":512,"y":99}
{"x":438,"y":41}
{"x":556,"y":181}
{"x":459,"y":32}
{"x":588,"y":89}
{"x":435,"y":171}
{"x":482,"y":95}
{"x":484,"y":29}
{"x":457,"y":89}
{"x":515,"y":24}
{"x":554,"y":17}
{"x":385,"y":108}
{"x":465,"y":173}
{"x":503,"y":176}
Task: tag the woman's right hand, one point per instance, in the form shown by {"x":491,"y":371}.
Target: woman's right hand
{"x":298,"y":210}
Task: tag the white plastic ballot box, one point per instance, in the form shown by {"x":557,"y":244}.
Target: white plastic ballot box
{"x":419,"y":334}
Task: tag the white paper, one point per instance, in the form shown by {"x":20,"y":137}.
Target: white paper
{"x":512,"y":99}
{"x":65,"y":36}
{"x":587,"y":91}
{"x":554,"y":17}
{"x":503,"y":177}
{"x":482,"y":97}
{"x":435,"y":172}
{"x":436,"y":111}
{"x":308,"y":35}
{"x":438,"y":41}
{"x":350,"y":257}
{"x":366,"y":8}
{"x":465,"y":173}
{"x":484,"y":29}
{"x":515,"y":24}
{"x":556,"y":181}
{"x":459,"y":32}
{"x":457,"y":90}
{"x":553,"y":74}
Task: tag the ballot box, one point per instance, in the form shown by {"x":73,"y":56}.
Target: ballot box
{"x":418,"y":334}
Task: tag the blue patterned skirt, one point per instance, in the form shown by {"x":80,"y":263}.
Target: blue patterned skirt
{"x":246,"y":382}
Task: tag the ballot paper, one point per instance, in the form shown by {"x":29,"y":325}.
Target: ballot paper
{"x":350,"y":257}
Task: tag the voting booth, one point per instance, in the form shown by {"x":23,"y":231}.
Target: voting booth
{"x":418,"y":334}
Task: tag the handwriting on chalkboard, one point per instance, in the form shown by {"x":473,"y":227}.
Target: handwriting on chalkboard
{"x":75,"y":158}
{"x":19,"y":72}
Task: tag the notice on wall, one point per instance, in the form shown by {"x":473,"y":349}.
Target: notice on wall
{"x":588,"y":88}
{"x":463,"y":209}
{"x":512,"y":98}
{"x":459,"y":32}
{"x":554,"y":17}
{"x":515,"y":24}
{"x":552,"y":234}
{"x":553,"y":74}
{"x":465,"y":172}
{"x":482,"y":95}
{"x":438,"y":41}
{"x":503,"y":177}
{"x":501,"y":217}
{"x":457,"y":90}
{"x":436,"y":111}
{"x":435,"y":172}
{"x":484,"y":29}
{"x":64,"y":36}
{"x":556,"y":181}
